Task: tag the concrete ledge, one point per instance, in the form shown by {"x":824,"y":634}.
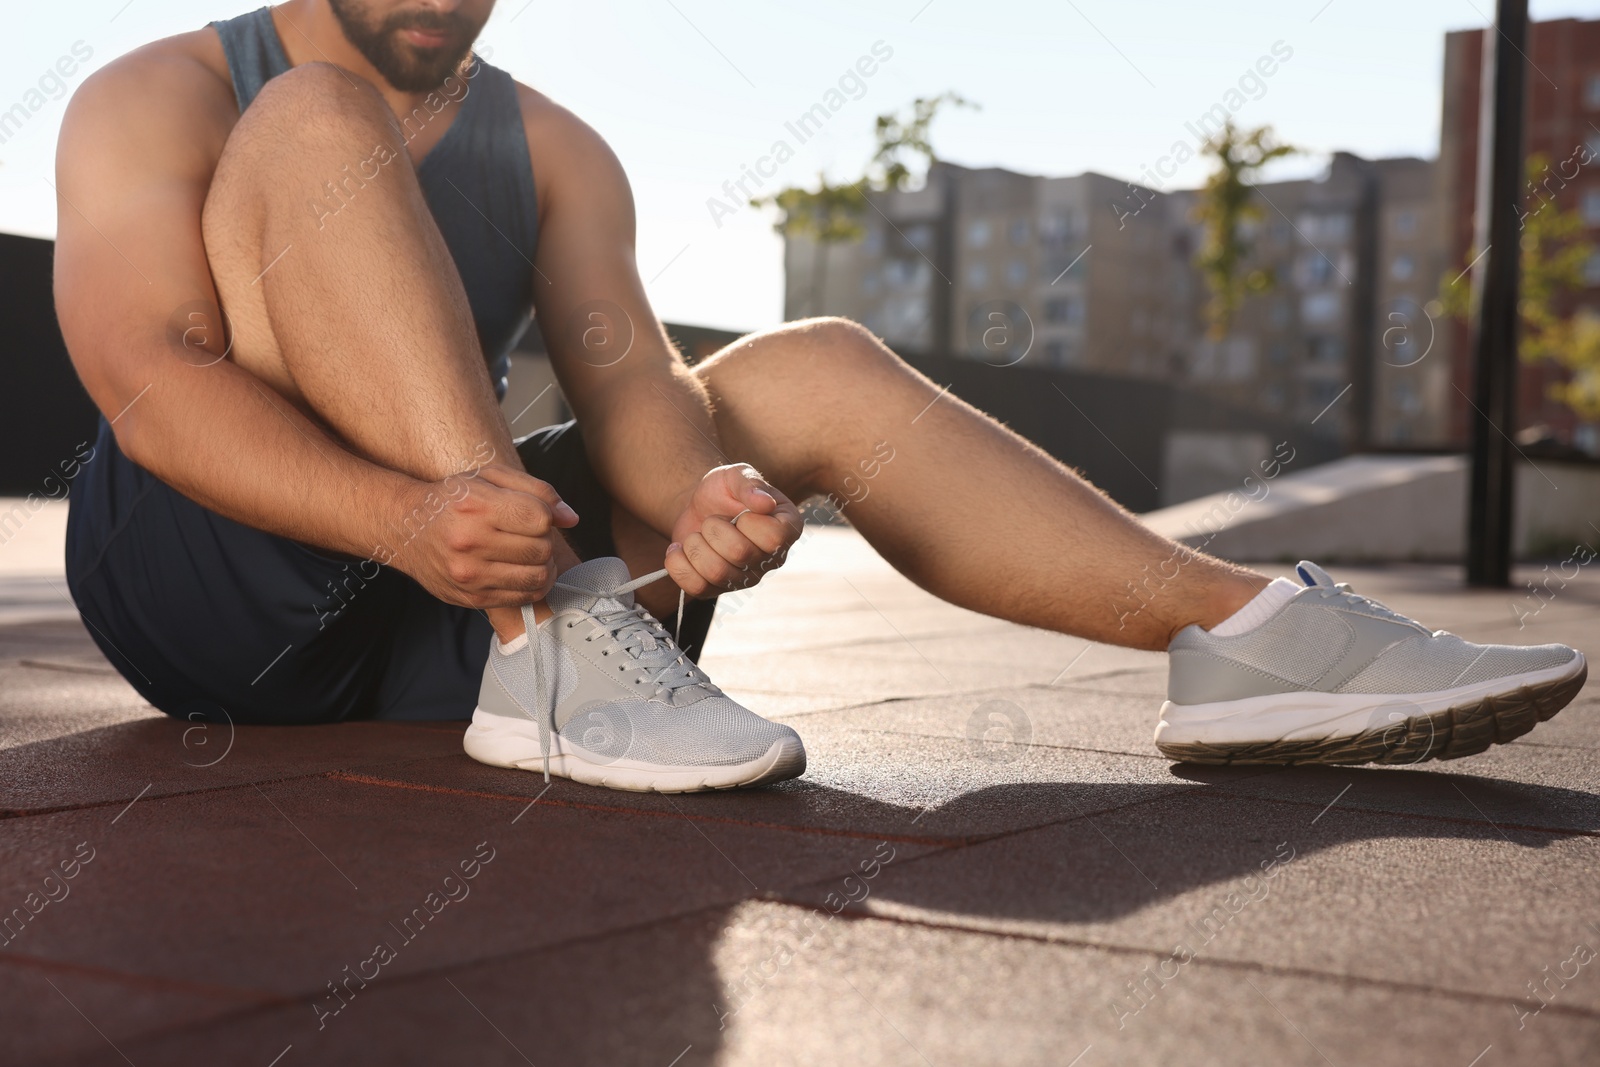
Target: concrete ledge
{"x":33,"y":536}
{"x":1383,"y":508}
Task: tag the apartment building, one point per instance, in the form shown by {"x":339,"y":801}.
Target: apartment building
{"x":1089,"y":273}
{"x":1561,"y":123}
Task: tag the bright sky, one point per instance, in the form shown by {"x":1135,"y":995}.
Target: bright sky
{"x":689,"y":92}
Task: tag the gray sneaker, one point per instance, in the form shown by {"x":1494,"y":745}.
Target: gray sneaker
{"x":1336,"y":678}
{"x":610,"y":700}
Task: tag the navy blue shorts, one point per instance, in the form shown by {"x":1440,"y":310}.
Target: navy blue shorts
{"x":213,"y":620}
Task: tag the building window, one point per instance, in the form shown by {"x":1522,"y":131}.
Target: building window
{"x":1278,"y":314}
{"x":920,"y":237}
{"x":1315,"y":269}
{"x":1324,"y":350}
{"x":1058,"y":227}
{"x":1063,"y":309}
{"x":1591,"y":206}
{"x":1320,"y":308}
{"x":978,"y":233}
{"x":978,"y":275}
{"x":1591,"y":92}
{"x":902,"y":273}
{"x":1325,"y":227}
{"x":1278,"y":353}
{"x":1321,"y":394}
{"x":904,"y":318}
{"x":1405,"y":397}
{"x":874,"y":242}
{"x":1059,"y":353}
{"x":1019,"y":232}
{"x":1405,"y":223}
{"x":1273,"y":397}
{"x":1016,"y":274}
{"x":1591,"y":269}
{"x":1402,"y":268}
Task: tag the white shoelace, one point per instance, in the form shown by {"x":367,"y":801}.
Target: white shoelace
{"x":1343,"y":592}
{"x":635,"y":630}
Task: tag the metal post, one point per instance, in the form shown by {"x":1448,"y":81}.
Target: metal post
{"x":1494,"y":304}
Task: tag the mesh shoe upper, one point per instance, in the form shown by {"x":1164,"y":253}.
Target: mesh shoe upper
{"x":1329,"y":639}
{"x":618,"y":685}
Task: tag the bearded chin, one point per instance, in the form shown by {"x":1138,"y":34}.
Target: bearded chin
{"x":406,"y":69}
{"x":411,"y":73}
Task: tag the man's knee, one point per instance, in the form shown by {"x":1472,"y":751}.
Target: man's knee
{"x":314,"y":97}
{"x":808,"y":353}
{"x":308,"y":109}
{"x":835,"y":338}
{"x":314,"y":116}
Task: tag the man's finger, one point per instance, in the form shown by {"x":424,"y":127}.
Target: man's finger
{"x":503,"y":584}
{"x":759,"y":498}
{"x":768,"y":533}
{"x":501,"y":547}
{"x":731,"y":543}
{"x":520,"y":513}
{"x":717,"y":572}
{"x":684,"y":574}
{"x":522,"y":482}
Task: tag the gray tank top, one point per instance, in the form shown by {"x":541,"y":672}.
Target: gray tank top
{"x":478,"y":182}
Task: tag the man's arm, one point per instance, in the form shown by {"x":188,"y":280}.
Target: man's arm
{"x":646,"y":418}
{"x":139,"y":143}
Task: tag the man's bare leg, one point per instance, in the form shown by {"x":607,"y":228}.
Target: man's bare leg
{"x":966,"y":508}
{"x":358,"y":319}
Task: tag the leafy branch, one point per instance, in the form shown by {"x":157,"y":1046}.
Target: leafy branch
{"x":1226,"y":203}
{"x":1552,"y":258}
{"x":831,"y":213}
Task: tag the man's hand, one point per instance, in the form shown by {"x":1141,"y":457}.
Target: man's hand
{"x":481,"y":541}
{"x":709,"y":553}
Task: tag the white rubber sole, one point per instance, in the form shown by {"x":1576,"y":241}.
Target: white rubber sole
{"x":1366,"y":728}
{"x":502,"y":742}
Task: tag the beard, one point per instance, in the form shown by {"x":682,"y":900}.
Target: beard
{"x":407,"y":67}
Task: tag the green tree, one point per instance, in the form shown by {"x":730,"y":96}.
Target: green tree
{"x":831,"y":214}
{"x":1552,"y":258}
{"x":900,"y":136}
{"x":827,"y":215}
{"x":1227,"y":202}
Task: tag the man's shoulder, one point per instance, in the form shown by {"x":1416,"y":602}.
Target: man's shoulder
{"x":565,"y":148}
{"x":552,"y":124}
{"x":184,"y":77}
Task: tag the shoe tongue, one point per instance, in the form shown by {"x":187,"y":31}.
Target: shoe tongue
{"x":592,"y":583}
{"x":1313,"y":575}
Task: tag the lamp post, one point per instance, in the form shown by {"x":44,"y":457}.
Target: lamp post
{"x":1494,"y":298}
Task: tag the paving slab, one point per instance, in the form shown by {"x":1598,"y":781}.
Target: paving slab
{"x":1516,"y":786}
{"x":275,"y":888}
{"x":997,"y":721}
{"x":755,"y":984}
{"x":55,"y":1010}
{"x":111,"y":758}
{"x":1420,"y":902}
{"x":896,"y":993}
{"x":640,"y":996}
{"x":869,"y":784}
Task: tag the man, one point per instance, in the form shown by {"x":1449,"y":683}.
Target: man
{"x":306,"y":506}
